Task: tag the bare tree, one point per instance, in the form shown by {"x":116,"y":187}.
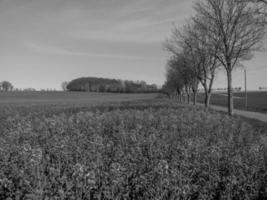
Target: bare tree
{"x":255,"y":1}
{"x":175,"y":80}
{"x":180,"y":77}
{"x":203,"y":54}
{"x":64,"y":85}
{"x":189,"y":74}
{"x":194,"y":85}
{"x":235,"y":28}
{"x":174,"y":84}
{"x":203,"y":62}
{"x":263,"y":1}
{"x":261,"y":6}
{"x":182,"y":61}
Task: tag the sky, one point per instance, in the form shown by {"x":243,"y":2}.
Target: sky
{"x":46,"y":42}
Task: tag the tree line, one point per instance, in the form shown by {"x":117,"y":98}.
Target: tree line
{"x":221,"y":35}
{"x":6,"y":86}
{"x":93,"y":84}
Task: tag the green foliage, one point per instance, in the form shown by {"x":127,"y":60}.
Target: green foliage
{"x":93,"y":84}
{"x":6,"y":86}
{"x":132,"y":151}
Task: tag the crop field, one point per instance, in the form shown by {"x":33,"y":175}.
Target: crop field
{"x":257,"y":101}
{"x":146,"y":148}
{"x":67,"y":98}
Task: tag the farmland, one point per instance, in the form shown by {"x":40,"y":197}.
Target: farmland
{"x":66,"y":98}
{"x":257,"y":101}
{"x":77,"y":146}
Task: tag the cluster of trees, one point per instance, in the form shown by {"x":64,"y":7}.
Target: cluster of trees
{"x":220,"y":35}
{"x":92,"y":84}
{"x":6,"y":86}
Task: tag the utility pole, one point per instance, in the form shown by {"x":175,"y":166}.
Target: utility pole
{"x":246,"y":93}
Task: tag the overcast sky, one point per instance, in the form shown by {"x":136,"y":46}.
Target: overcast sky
{"x":46,"y":42}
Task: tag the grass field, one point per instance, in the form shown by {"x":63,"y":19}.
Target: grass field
{"x":257,"y":101}
{"x":61,"y":98}
{"x":143,"y":148}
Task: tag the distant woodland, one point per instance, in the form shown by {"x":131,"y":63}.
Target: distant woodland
{"x":92,"y":84}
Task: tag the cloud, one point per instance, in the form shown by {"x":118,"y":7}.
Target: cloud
{"x":53,"y":50}
{"x":75,"y":34}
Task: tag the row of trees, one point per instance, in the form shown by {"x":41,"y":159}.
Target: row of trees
{"x":221,"y":35}
{"x":6,"y":86}
{"x":92,"y":84}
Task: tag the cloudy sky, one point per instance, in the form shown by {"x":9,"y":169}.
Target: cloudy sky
{"x":46,"y":42}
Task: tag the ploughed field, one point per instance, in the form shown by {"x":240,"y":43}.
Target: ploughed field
{"x":257,"y":101}
{"x":148,"y":148}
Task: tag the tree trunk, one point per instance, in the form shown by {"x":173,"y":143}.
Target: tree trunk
{"x":195,"y":98}
{"x":207,"y":100}
{"x":178,"y":95}
{"x":188,"y":98}
{"x":230,"y":94}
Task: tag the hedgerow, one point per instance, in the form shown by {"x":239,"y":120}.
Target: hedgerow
{"x":150,"y":153}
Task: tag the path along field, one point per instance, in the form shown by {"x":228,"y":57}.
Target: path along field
{"x":257,"y":101}
{"x":142,"y":148}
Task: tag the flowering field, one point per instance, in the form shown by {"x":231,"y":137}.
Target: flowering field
{"x":138,"y":150}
